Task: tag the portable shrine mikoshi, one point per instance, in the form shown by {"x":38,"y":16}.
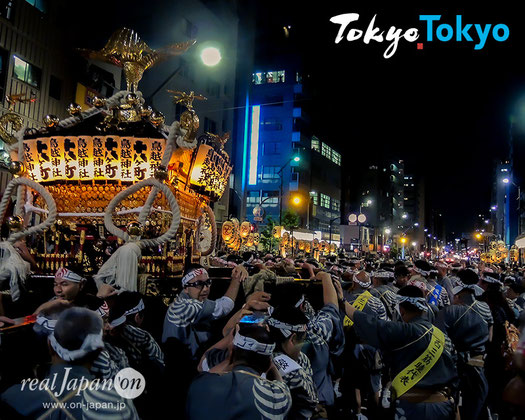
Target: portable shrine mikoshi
{"x":114,"y":181}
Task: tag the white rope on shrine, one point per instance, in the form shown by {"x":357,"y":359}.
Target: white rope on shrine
{"x":211,"y":216}
{"x":114,"y":100}
{"x":52,"y":212}
{"x":121,"y":269}
{"x":21,"y":190}
{"x":172,"y":201}
{"x":12,"y":266}
{"x":166,"y":156}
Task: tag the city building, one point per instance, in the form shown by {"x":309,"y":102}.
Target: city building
{"x":213,"y":25}
{"x":33,"y":63}
{"x":283,"y":165}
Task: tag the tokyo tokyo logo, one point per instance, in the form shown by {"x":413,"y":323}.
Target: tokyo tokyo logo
{"x":436,"y":30}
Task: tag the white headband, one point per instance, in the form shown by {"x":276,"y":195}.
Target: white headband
{"x":419,"y":271}
{"x":48,"y":324}
{"x":251,"y":344}
{"x":138,"y":308}
{"x":91,"y":343}
{"x":118,"y":321}
{"x":418,"y":302}
{"x":286,"y":328}
{"x":382,"y":274}
{"x":65,"y":274}
{"x":492,"y":280}
{"x":478,"y":291}
{"x":299,"y":302}
{"x":192,"y":274}
{"x":360,"y":283}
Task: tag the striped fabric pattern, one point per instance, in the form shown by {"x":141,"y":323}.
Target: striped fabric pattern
{"x":320,"y":327}
{"x":301,"y":381}
{"x":106,"y":404}
{"x":109,"y":362}
{"x":272,"y":399}
{"x":483,"y":309}
{"x":182,"y":312}
{"x":143,"y":345}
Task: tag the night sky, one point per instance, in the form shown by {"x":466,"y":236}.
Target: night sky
{"x":444,"y":109}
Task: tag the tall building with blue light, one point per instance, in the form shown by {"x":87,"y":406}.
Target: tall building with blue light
{"x":276,"y":129}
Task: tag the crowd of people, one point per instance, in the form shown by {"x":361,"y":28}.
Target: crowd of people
{"x":336,"y":338}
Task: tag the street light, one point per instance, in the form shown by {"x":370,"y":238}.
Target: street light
{"x":505,"y":180}
{"x":295,"y":158}
{"x":211,"y":56}
{"x":296,"y":200}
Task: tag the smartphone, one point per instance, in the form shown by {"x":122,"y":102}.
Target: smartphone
{"x":255,"y":318}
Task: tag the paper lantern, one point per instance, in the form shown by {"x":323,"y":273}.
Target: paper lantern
{"x":245,"y":229}
{"x":227,"y":231}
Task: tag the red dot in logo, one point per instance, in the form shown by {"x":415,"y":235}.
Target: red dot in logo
{"x":419,"y":45}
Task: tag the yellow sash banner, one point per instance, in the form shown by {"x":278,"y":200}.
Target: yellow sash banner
{"x":417,"y":370}
{"x":359,"y":304}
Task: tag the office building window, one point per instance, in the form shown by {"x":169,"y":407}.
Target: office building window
{"x":270,"y":198}
{"x":325,"y":201}
{"x":253,"y":198}
{"x":270,"y":173}
{"x":190,"y":30}
{"x":27,"y":72}
{"x":294,"y":175}
{"x":315,"y":199}
{"x":6,"y":9}
{"x":272,"y":124}
{"x":315,"y":144}
{"x":55,"y":87}
{"x":325,"y":150}
{"x":336,"y":158}
{"x":336,"y":205}
{"x":273,"y":148}
{"x":261,"y":78}
{"x":38,"y":4}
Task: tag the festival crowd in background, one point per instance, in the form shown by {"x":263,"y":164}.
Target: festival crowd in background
{"x":275,"y":338}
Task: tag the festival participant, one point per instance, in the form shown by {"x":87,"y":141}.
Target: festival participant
{"x":437,"y":295}
{"x":70,"y":286}
{"x":189,"y":316}
{"x":325,"y":339}
{"x":288,"y":328}
{"x":242,"y":394}
{"x":74,"y":345}
{"x":442,"y":277}
{"x":468,"y":323}
{"x":142,"y":351}
{"x":419,"y":354}
{"x":513,"y":292}
{"x":401,"y":276}
{"x":362,"y":362}
{"x":381,"y":290}
{"x":496,"y":368}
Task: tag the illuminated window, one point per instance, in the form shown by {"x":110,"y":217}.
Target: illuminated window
{"x":325,"y":150}
{"x":336,"y":157}
{"x":253,"y":198}
{"x":336,"y":205}
{"x":27,"y":72}
{"x":315,"y":199}
{"x":261,"y":78}
{"x":6,"y":9}
{"x":38,"y":4}
{"x":325,"y":201}
{"x":315,"y":144}
{"x":273,"y":199}
{"x":270,"y":173}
